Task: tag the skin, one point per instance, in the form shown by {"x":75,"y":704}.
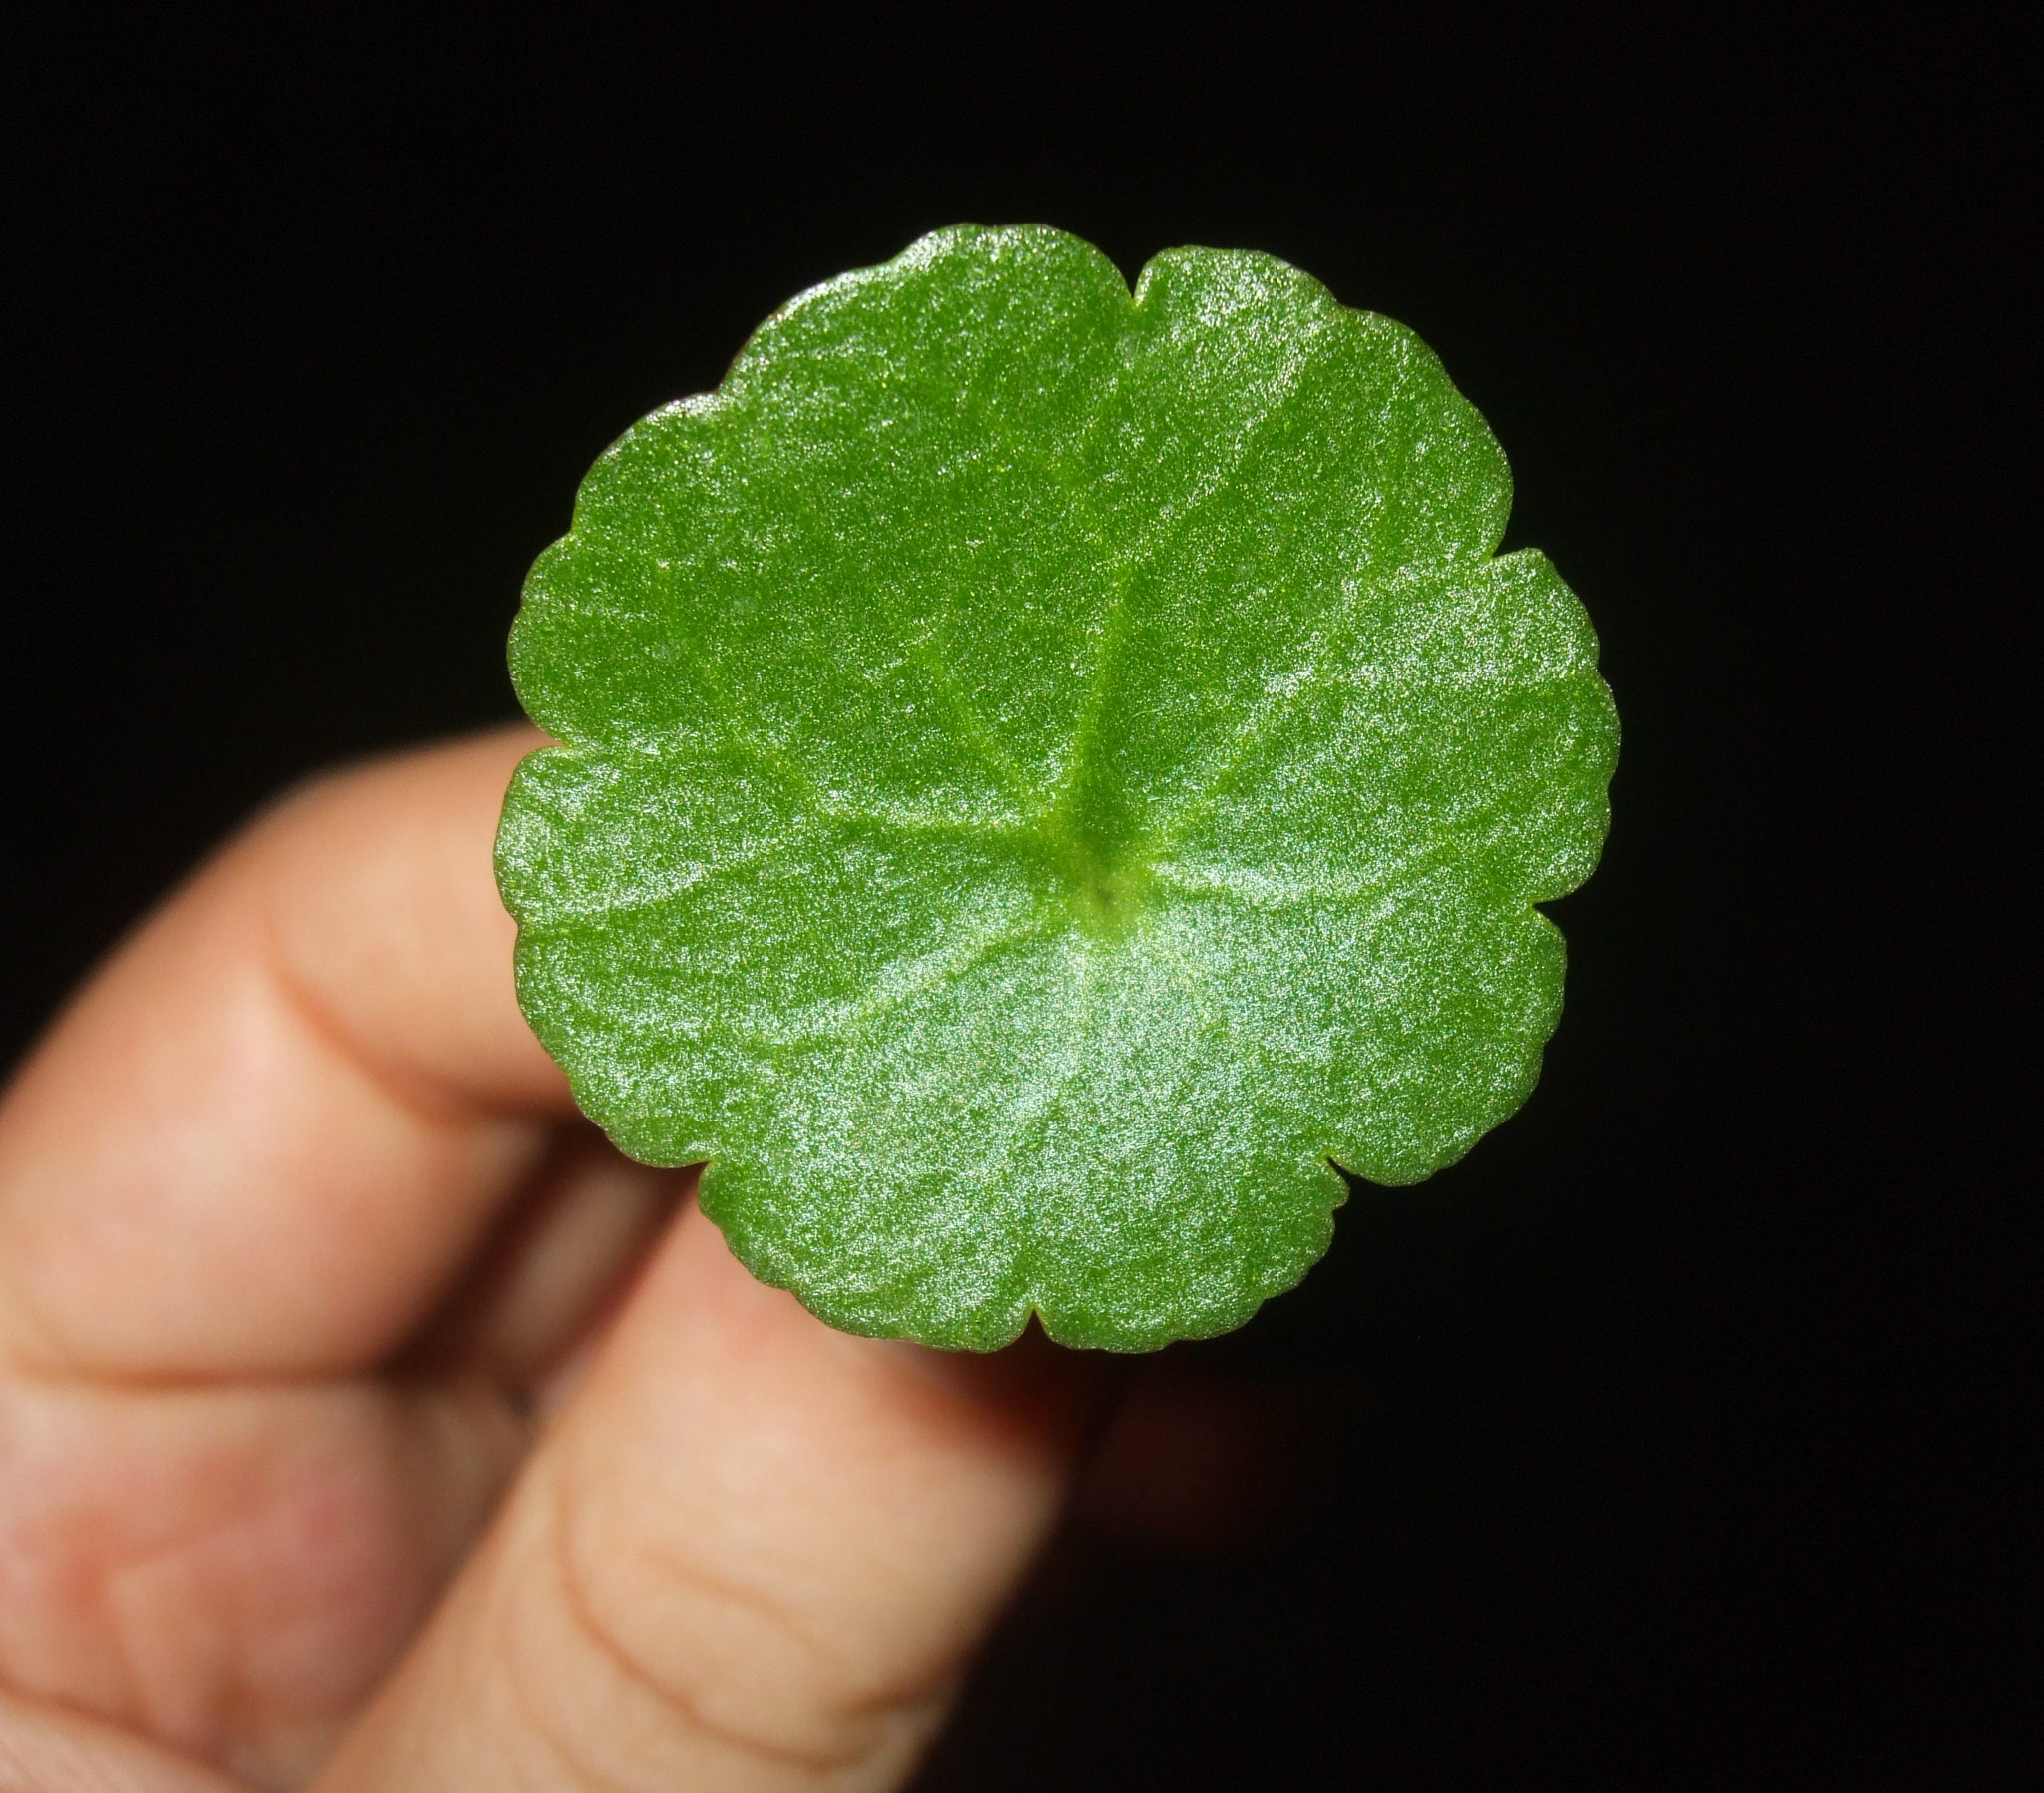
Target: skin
{"x":366,"y":1422}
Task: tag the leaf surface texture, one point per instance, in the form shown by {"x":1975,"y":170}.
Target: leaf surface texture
{"x":1045,"y":771}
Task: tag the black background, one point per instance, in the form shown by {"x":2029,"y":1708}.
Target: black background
{"x":1676,"y":1437}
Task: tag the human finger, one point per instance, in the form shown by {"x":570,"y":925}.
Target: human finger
{"x":45,"y":1748}
{"x":265,"y":1137}
{"x":230,"y":1570}
{"x":753,"y":1554}
{"x":552,"y":1268}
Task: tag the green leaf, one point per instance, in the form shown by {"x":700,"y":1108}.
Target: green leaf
{"x":1046,"y":775}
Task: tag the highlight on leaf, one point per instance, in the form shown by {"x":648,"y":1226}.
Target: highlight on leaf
{"x":1047,"y":773}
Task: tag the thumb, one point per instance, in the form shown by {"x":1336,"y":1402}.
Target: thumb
{"x":752,"y":1553}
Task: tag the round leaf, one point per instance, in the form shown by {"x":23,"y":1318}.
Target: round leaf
{"x":1048,"y":774}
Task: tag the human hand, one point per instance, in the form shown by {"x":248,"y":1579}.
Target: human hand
{"x":363,"y":1417}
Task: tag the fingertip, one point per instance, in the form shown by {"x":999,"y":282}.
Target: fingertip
{"x":383,"y":905}
{"x":268,"y":1132}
